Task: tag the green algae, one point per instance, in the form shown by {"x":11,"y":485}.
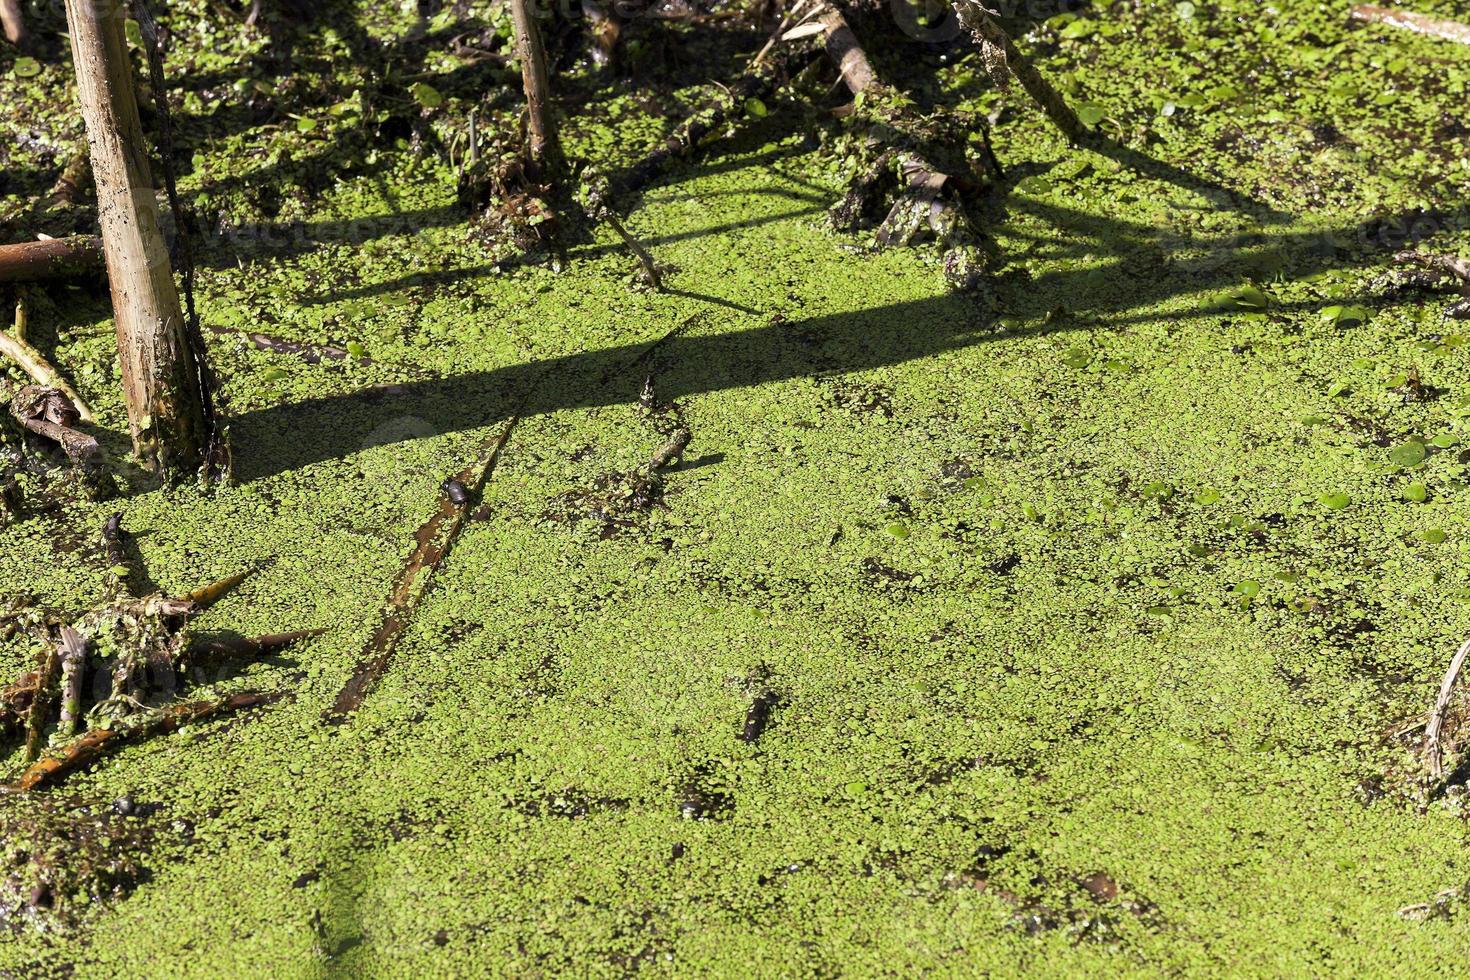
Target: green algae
{"x":1120,"y":638}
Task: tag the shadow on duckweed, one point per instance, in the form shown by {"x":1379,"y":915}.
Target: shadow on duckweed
{"x":1121,"y":288}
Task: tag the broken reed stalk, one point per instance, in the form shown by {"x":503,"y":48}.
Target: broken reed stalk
{"x":73,"y":673}
{"x":1434,"y":731}
{"x":1449,"y":30}
{"x":846,"y":53}
{"x":14,"y":346}
{"x":51,"y":258}
{"x":41,"y":703}
{"x":542,"y":144}
{"x":14,"y":24}
{"x":671,"y":450}
{"x":207,"y":595}
{"x":99,"y":741}
{"x":162,"y":375}
{"x":997,"y":46}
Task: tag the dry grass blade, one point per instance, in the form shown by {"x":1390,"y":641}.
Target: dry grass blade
{"x":1433,"y":733}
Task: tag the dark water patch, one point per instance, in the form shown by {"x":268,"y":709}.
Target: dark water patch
{"x":61,"y":858}
{"x":569,"y":804}
{"x":703,"y":795}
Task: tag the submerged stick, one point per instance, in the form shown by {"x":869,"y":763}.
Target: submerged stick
{"x":99,"y":741}
{"x":235,"y":645}
{"x":310,"y":353}
{"x":1433,"y":747}
{"x":1449,"y":30}
{"x":997,"y":46}
{"x":435,"y":539}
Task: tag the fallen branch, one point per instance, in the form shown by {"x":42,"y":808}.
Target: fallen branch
{"x":1001,"y":55}
{"x":435,"y":539}
{"x":15,"y":346}
{"x":1450,"y":30}
{"x":1433,"y":733}
{"x":99,"y":741}
{"x":51,"y":258}
{"x":41,"y":702}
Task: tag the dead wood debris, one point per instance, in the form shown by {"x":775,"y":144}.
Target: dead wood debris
{"x":51,"y":258}
{"x":915,"y":171}
{"x":1449,"y":30}
{"x":1002,"y":58}
{"x":1449,"y":270}
{"x":158,"y":721}
{"x":16,"y":346}
{"x":619,"y":501}
{"x":49,"y":414}
{"x":131,"y":653}
{"x":59,"y":858}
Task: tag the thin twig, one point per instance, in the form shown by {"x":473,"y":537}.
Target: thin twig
{"x":1433,"y":747}
{"x":650,"y":270}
